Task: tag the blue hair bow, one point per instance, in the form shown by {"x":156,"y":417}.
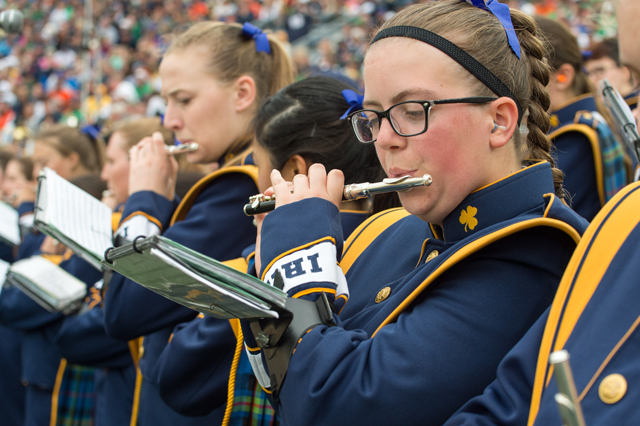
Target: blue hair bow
{"x":92,"y":131}
{"x":353,"y":99}
{"x":262,"y":42}
{"x":500,"y":11}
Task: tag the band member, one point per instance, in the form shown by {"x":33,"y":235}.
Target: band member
{"x":214,"y":77}
{"x":586,"y":149}
{"x":448,"y":86}
{"x":302,"y":124}
{"x":594,"y":316}
{"x":81,"y":339}
{"x":604,"y":62}
{"x":73,"y":154}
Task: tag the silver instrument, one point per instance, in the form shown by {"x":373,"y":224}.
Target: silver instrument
{"x":181,"y":148}
{"x":567,"y":396}
{"x":355,"y":191}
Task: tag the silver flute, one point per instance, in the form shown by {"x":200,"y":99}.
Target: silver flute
{"x":181,"y":148}
{"x":262,"y":204}
{"x":177,"y":149}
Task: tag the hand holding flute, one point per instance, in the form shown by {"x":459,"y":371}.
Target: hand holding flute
{"x":317,"y":183}
{"x":263,"y":204}
{"x":151,"y":169}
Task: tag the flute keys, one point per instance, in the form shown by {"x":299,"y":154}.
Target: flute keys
{"x":612,"y":388}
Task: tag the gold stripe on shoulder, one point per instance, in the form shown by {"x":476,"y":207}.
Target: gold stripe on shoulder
{"x":597,"y":254}
{"x":366,"y":233}
{"x":592,"y":136}
{"x":471,"y":248}
{"x":190,"y":198}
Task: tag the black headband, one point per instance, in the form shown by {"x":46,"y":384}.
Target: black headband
{"x":460,"y":56}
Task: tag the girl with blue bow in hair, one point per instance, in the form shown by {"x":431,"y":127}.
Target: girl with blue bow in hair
{"x":214,"y":77}
{"x":298,"y":126}
{"x":457,"y":92}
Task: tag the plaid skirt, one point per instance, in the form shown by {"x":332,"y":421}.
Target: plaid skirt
{"x":76,"y":396}
{"x":250,"y":404}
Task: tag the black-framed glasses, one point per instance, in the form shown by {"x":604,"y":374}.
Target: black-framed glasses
{"x":409,"y":118}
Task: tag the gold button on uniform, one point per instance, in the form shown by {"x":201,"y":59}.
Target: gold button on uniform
{"x":612,"y":388}
{"x":432,"y":255}
{"x":383,"y":294}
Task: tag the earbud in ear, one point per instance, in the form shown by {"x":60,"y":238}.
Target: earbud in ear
{"x":496,"y":127}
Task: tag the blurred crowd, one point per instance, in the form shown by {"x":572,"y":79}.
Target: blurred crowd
{"x":61,"y":70}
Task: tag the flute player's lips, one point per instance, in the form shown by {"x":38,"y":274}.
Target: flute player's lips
{"x":397,"y":172}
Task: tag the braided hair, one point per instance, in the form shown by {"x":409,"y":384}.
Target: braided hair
{"x":480,"y":34}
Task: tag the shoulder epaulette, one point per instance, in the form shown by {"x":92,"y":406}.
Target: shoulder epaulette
{"x":583,"y":125}
{"x":188,"y":200}
{"x":587,"y":118}
{"x":593,"y":255}
{"x":366,"y":233}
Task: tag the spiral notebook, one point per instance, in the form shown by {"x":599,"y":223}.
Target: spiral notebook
{"x":73,"y":217}
{"x":194,"y":280}
{"x":47,"y":284}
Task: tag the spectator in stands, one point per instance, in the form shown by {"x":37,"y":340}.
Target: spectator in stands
{"x":605,"y":63}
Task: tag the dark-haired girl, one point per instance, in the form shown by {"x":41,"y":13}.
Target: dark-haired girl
{"x":302,"y":124}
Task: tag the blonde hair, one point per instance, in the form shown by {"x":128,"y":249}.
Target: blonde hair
{"x":232,"y":55}
{"x":481,"y":35}
{"x":67,"y":140}
{"x":134,"y":130}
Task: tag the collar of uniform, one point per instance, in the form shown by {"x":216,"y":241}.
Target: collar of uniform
{"x":632,"y":98}
{"x":502,"y":200}
{"x":567,"y":112}
{"x":237,"y":148}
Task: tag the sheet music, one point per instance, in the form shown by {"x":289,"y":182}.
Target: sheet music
{"x":50,"y":279}
{"x":78,"y":215}
{"x":268,"y":313}
{"x":9,"y":229}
